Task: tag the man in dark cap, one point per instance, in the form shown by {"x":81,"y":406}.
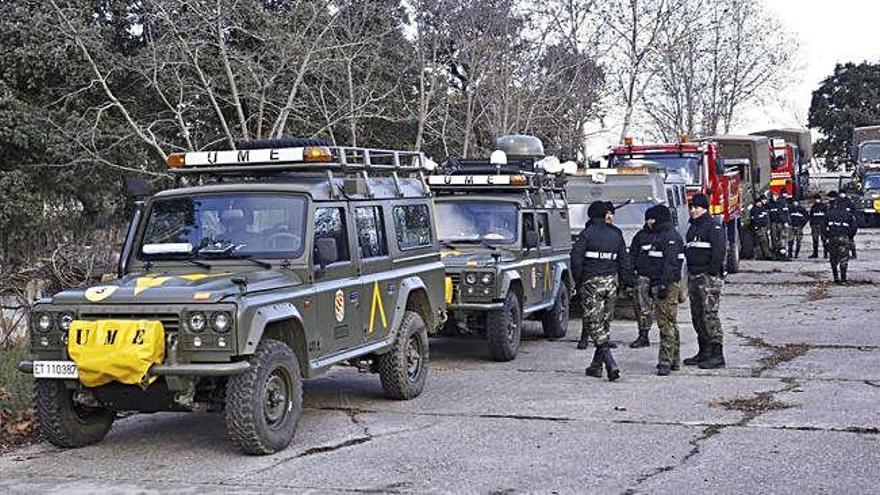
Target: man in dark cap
{"x":840,"y":230}
{"x":639,"y":252}
{"x":705,"y":252}
{"x":818,"y":218}
{"x":760,"y":225}
{"x":599,"y":263}
{"x":664,"y":266}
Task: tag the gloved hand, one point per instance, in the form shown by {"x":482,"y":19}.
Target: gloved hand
{"x":629,"y":292}
{"x":662,"y":291}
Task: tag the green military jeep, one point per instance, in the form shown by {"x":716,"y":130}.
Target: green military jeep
{"x":267,"y":265}
{"x":503,"y":225}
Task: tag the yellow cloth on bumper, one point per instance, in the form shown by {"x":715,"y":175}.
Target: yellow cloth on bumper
{"x":116,"y":350}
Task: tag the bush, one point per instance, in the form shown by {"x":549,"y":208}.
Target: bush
{"x":15,"y":384}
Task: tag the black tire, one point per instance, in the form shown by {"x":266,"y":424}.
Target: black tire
{"x":555,"y":320}
{"x":733,"y":247}
{"x":403,"y":370}
{"x":64,"y":423}
{"x":504,"y":329}
{"x":263,"y":404}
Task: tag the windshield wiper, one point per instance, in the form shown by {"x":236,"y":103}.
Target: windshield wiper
{"x":199,"y":263}
{"x":260,"y":263}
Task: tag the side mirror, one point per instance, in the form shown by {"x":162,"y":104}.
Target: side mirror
{"x":325,"y":251}
{"x":532,"y":239}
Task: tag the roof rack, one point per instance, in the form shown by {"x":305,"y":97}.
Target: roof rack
{"x":298,"y":159}
{"x":458,"y":174}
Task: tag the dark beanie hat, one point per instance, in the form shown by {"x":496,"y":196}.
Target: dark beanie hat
{"x":610,"y":206}
{"x":832,"y":194}
{"x":700,"y":200}
{"x":662,"y":214}
{"x":598,"y":209}
{"x":650,"y":213}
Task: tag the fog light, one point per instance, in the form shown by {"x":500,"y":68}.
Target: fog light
{"x":197,"y":342}
{"x":470,"y":290}
{"x":44,"y":341}
{"x":197,"y":322}
{"x":221,"y":342}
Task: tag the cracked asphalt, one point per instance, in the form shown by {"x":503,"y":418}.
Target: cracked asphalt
{"x":797,"y":410}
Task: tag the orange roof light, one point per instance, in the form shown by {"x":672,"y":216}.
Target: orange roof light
{"x":632,"y":170}
{"x":317,"y":154}
{"x":518,"y":180}
{"x":628,"y":140}
{"x":176,"y":160}
{"x":683,"y":138}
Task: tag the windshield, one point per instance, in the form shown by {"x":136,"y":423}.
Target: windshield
{"x":225,"y":226}
{"x":687,"y":167}
{"x":872,"y":182}
{"x":474,"y":221}
{"x":869,"y":152}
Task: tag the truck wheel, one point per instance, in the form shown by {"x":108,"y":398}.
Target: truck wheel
{"x":733,"y":251}
{"x":555,"y":320}
{"x":263,"y":404}
{"x":404,"y":369}
{"x":504,"y":329}
{"x":63,"y":422}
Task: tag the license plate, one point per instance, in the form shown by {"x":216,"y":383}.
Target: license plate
{"x":56,"y":369}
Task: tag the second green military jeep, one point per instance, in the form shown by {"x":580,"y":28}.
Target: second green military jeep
{"x":268,"y":265}
{"x":503,"y":225}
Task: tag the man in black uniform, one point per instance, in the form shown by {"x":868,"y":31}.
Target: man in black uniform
{"x":799,"y":218}
{"x":664,"y":268}
{"x":599,"y":263}
{"x":839,"y":230}
{"x":705,"y":251}
{"x":639,"y":252}
{"x":818,"y":217}
{"x":851,"y":209}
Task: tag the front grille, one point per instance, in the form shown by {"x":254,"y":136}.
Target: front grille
{"x":170,"y":321}
{"x":456,"y":281}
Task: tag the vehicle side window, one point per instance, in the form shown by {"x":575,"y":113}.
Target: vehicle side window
{"x":528,"y":223}
{"x":330,"y":223}
{"x":544,"y":228}
{"x":681,"y":198}
{"x":413,"y":226}
{"x":370,"y":232}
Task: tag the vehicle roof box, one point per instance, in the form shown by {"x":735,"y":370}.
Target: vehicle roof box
{"x":520,"y":145}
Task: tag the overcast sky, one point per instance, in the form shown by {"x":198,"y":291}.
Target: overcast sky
{"x":830,"y":32}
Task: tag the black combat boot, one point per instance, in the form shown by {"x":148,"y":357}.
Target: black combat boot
{"x":834,"y":274}
{"x":663,"y":369}
{"x":610,"y":365}
{"x":715,"y":359}
{"x":699,"y":356}
{"x":642,"y":341}
{"x":585,"y":340}
{"x":843,"y":273}
{"x":595,"y":368}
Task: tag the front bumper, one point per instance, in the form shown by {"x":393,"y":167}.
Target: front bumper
{"x":200,"y":369}
{"x":492,"y":306}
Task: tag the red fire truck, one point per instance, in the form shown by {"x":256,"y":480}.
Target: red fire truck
{"x":701,"y":168}
{"x":790,"y":153}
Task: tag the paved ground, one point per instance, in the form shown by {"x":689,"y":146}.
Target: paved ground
{"x":797,"y":410}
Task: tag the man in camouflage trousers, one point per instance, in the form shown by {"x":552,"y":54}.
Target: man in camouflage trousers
{"x":643,"y":302}
{"x":705,"y":252}
{"x":665,"y":257}
{"x":599,"y":261}
{"x":840,"y":230}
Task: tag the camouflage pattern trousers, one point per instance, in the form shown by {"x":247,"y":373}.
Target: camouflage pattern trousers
{"x":644,"y":303}
{"x":762,"y":244}
{"x":779,"y":237}
{"x":598,"y":295}
{"x":667,"y":320}
{"x":797,"y":235}
{"x":705,"y":295}
{"x":838,"y":251}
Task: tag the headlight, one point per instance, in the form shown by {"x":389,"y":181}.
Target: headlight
{"x":487,"y":279}
{"x":470,"y":278}
{"x":65,"y":321}
{"x":44,"y":322}
{"x":221,"y":321}
{"x":197,"y":322}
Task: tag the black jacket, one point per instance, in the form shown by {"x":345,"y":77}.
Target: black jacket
{"x":641,"y":245}
{"x":818,"y":214}
{"x":840,"y":222}
{"x":600,"y":251}
{"x":666,"y":255}
{"x":779,"y":211}
{"x":799,"y":216}
{"x":760,"y":217}
{"x":706,"y":246}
